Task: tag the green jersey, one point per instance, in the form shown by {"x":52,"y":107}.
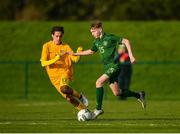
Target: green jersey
{"x":107,"y":47}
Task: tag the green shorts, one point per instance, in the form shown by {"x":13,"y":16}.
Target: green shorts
{"x":112,"y":70}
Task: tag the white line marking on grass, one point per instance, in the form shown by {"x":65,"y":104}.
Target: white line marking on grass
{"x":99,"y":124}
{"x":28,"y":123}
{"x":5,"y":123}
{"x":41,"y":104}
{"x":45,"y":123}
{"x":36,"y":123}
{"x":150,"y":124}
{"x":153,"y":125}
{"x":164,"y":125}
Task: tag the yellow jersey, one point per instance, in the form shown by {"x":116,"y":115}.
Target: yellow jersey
{"x":63,"y":65}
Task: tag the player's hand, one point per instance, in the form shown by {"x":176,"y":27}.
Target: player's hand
{"x":57,"y":57}
{"x":80,"y":48}
{"x":132,"y":59}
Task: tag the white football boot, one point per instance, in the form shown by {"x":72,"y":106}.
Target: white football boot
{"x":84,"y":100}
{"x":96,"y":113}
{"x":142,"y":99}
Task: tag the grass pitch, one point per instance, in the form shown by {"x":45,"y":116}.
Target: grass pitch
{"x":151,"y":41}
{"x":119,"y":116}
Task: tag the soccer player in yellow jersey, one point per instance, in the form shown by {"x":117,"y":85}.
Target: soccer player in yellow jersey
{"x":58,"y":65}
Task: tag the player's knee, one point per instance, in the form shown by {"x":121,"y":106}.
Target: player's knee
{"x":116,"y":93}
{"x":99,"y":83}
{"x":66,"y":90}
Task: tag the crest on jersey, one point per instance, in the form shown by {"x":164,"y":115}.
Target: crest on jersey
{"x":105,"y":43}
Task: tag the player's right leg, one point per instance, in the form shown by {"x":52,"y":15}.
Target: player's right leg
{"x":140,"y":96}
{"x":128,"y":93}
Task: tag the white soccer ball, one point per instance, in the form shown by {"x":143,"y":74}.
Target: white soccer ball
{"x":84,"y":115}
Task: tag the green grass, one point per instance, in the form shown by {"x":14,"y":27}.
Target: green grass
{"x":156,"y":40}
{"x":59,"y":116}
{"x":151,"y":41}
{"x":46,"y":111}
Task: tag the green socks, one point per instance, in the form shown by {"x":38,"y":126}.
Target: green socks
{"x":99,"y":97}
{"x":100,"y":93}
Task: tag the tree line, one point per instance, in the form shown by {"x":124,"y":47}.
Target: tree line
{"x":89,"y":9}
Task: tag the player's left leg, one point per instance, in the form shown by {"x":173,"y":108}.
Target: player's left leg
{"x":65,"y":89}
{"x":100,"y":91}
{"x":99,"y":88}
{"x":75,"y":102}
{"x":72,"y":99}
{"x":99,"y":95}
{"x":59,"y":83}
{"x":113,"y":80}
{"x":70,"y":94}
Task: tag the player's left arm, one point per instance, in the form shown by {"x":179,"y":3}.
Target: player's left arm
{"x":127,"y":43}
{"x":76,"y":58}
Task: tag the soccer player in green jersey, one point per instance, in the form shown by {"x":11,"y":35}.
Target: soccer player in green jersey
{"x":106,"y":45}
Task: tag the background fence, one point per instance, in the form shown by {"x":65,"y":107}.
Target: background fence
{"x":28,"y":80}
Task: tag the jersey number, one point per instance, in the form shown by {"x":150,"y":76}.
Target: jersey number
{"x":101,"y":49}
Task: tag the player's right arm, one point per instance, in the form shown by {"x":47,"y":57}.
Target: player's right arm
{"x":86,"y":52}
{"x":49,"y":62}
{"x":44,"y":60}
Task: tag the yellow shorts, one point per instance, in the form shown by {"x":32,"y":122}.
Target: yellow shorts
{"x":59,"y":81}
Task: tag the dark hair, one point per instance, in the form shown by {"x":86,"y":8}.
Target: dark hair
{"x":96,"y":24}
{"x":57,"y":29}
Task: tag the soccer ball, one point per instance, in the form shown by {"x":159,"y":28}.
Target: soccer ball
{"x":84,"y":115}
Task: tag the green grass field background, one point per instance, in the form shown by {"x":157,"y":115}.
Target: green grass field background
{"x":157,"y":51}
{"x":151,"y":42}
